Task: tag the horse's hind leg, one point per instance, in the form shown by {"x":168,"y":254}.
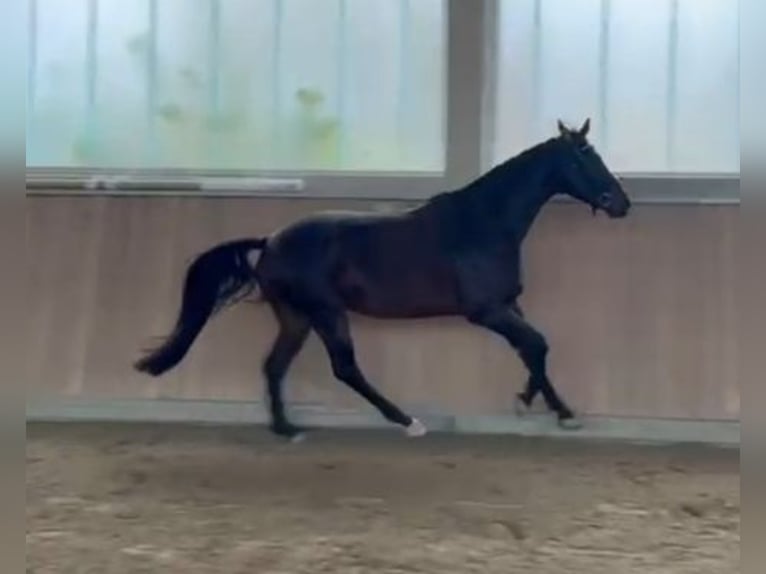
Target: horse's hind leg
{"x":333,"y":328}
{"x":533,"y":350}
{"x":293,"y":331}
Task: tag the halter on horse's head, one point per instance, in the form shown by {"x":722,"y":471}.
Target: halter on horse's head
{"x":582,"y":173}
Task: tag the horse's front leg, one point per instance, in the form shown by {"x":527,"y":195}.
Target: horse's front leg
{"x":533,"y":350}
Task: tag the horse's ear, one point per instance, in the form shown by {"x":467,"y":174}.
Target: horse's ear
{"x":585,"y":128}
{"x":563,"y":130}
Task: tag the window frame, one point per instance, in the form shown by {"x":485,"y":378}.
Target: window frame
{"x":471,"y":40}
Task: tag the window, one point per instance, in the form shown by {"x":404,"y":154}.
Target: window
{"x":659,"y":78}
{"x":247,"y":85}
{"x":377,"y":98}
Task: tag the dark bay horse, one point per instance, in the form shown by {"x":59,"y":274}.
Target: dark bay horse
{"x":457,"y":254}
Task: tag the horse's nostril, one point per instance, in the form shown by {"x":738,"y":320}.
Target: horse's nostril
{"x":605,"y":199}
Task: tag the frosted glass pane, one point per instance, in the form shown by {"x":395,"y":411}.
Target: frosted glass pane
{"x":663,"y":98}
{"x":753,"y":85}
{"x":569,"y":64}
{"x":183,"y":83}
{"x":120,"y":117}
{"x":309,"y":83}
{"x":60,"y":98}
{"x":638,"y":85}
{"x":374,"y":86}
{"x":560,"y":67}
{"x":515,"y":125}
{"x":239,"y":84}
{"x":707,"y":122}
{"x":244,"y":128}
{"x":422,"y":115}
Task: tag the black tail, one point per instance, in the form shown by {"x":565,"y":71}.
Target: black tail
{"x":217,"y":277}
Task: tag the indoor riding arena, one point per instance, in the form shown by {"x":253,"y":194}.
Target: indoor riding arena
{"x":541,"y":369}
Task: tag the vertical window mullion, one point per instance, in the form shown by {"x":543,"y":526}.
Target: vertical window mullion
{"x":489,"y":83}
{"x":152,"y":60}
{"x":671,"y":101}
{"x":342,"y":81}
{"x":603,"y":73}
{"x":91,"y":74}
{"x":465,"y":64}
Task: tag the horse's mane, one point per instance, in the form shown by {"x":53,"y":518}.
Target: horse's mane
{"x":512,"y":166}
{"x":508,"y":170}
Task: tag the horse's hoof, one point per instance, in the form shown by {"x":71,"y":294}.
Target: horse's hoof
{"x":289,"y":432}
{"x":415,"y":429}
{"x":298,"y":438}
{"x":570,"y":422}
{"x":520,"y":407}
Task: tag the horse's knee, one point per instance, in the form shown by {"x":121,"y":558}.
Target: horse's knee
{"x":534,"y":346}
{"x":538,"y":344}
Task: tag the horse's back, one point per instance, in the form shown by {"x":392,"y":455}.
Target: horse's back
{"x":327,"y":238}
{"x":380,"y":264}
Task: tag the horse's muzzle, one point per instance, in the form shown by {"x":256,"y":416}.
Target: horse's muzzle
{"x":619,"y":204}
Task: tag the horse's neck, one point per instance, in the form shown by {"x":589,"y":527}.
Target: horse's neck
{"x":503,"y":203}
{"x":519,"y":188}
{"x":523,"y":208}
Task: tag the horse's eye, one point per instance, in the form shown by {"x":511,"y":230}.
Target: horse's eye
{"x":586,"y":148}
{"x":605,"y":199}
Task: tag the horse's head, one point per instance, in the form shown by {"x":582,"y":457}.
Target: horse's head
{"x":583,"y":175}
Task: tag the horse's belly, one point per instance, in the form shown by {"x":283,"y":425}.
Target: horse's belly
{"x":405,"y":294}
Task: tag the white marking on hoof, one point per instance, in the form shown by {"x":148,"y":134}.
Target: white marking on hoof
{"x":298,"y":438}
{"x":416,"y":429}
{"x":572,"y":423}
